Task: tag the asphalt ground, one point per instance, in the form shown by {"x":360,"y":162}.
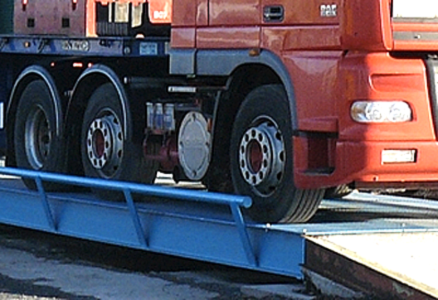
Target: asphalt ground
{"x":36,"y":265}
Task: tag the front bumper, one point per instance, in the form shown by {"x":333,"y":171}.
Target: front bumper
{"x":361,"y":163}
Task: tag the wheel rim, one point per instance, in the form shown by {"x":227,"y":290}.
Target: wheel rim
{"x":105,"y":143}
{"x":262,"y":156}
{"x":38,"y":137}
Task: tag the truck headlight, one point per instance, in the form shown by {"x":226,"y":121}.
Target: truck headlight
{"x":381,"y":112}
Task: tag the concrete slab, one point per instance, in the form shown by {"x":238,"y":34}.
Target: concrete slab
{"x":408,"y":258}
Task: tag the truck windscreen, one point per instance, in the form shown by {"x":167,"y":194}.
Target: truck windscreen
{"x":415,"y":10}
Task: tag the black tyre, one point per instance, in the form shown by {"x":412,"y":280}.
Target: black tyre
{"x":338,"y":191}
{"x":107,"y":148}
{"x":261,"y":159}
{"x":38,"y":140}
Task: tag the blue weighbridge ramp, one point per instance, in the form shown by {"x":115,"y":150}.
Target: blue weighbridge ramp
{"x":211,"y":227}
{"x":194,"y":224}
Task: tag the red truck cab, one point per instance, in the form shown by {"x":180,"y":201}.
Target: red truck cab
{"x":359,"y":78}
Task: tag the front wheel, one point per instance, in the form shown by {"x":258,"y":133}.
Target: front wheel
{"x":262,"y":160}
{"x":107,"y":147}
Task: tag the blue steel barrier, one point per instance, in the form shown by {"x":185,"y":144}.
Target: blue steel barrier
{"x":235,"y":202}
{"x":152,"y":190}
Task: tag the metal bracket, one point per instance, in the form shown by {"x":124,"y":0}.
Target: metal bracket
{"x":3,"y":43}
{"x":46,"y":205}
{"x":41,"y":44}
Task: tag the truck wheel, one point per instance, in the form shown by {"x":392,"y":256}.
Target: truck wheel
{"x":37,"y":144}
{"x":107,"y":151}
{"x":337,"y":191}
{"x":261,"y":159}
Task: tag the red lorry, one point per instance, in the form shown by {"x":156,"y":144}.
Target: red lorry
{"x":279,"y":100}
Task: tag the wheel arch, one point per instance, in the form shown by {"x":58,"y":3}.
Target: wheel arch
{"x":84,"y":87}
{"x":227,"y":63}
{"x":87,"y":83}
{"x":245,"y":71}
{"x":243,"y":79}
{"x":28,"y":75}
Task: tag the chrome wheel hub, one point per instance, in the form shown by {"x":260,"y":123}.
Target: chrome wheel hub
{"x":37,"y":138}
{"x":262,"y":156}
{"x":105,"y":143}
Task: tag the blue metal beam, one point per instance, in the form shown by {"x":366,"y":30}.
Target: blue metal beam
{"x":187,"y":223}
{"x":101,"y":46}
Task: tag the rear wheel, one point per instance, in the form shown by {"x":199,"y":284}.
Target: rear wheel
{"x":107,"y":148}
{"x":37,"y":139}
{"x":261,"y":159}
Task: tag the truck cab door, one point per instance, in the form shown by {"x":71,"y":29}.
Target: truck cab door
{"x":300,"y":24}
{"x":231,"y":24}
